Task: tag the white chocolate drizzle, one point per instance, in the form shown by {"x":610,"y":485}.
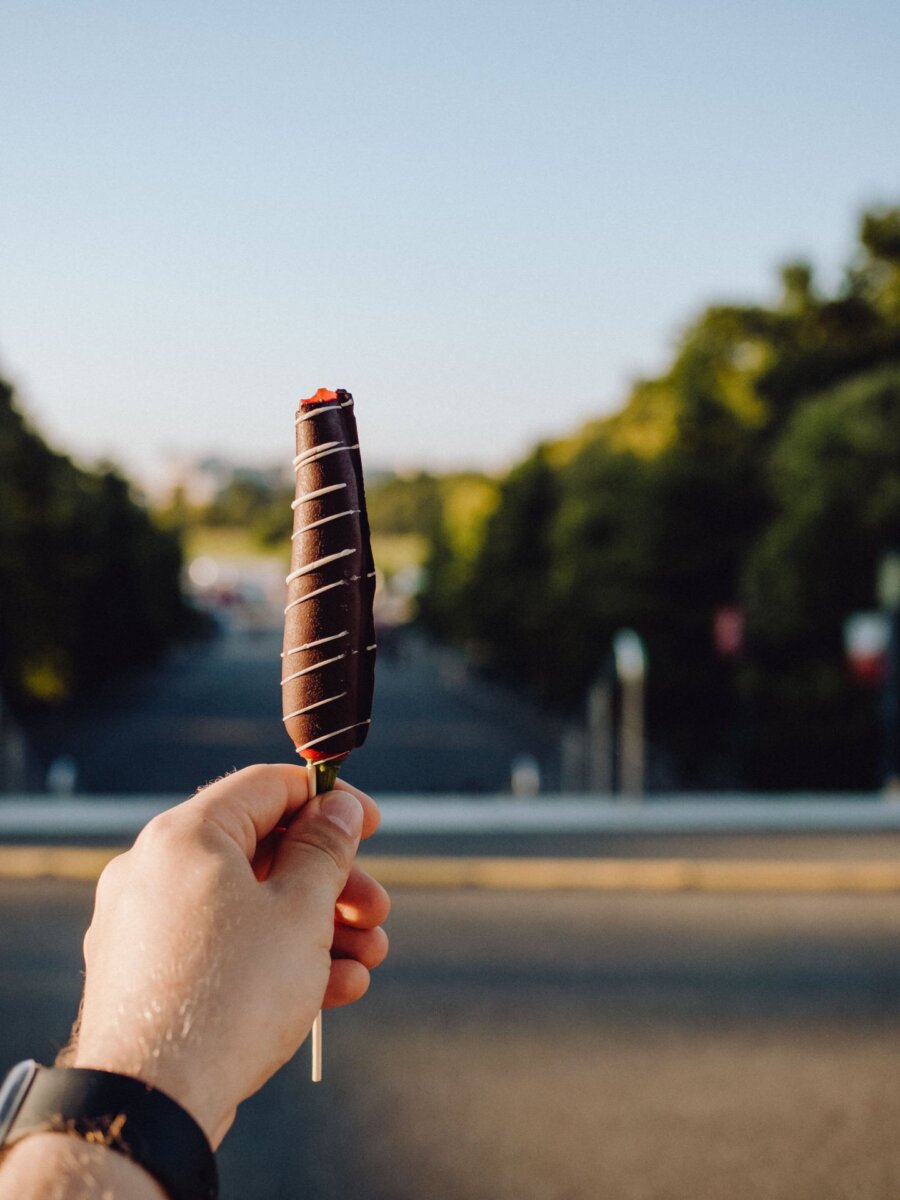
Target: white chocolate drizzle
{"x":325,"y":736}
{"x":313,"y":412}
{"x":325,"y":758}
{"x":325,"y":662}
{"x":321,"y":406}
{"x":314,"y":566}
{"x":317,"y":592}
{"x":351,"y":512}
{"x":314,"y":451}
{"x":333,"y":487}
{"x":318,"y":704}
{"x":308,"y":457}
{"x":320,"y":642}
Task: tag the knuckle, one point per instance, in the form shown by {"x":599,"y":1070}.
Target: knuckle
{"x":109,"y":876}
{"x":162,"y":825}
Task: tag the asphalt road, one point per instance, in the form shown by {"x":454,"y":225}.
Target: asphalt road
{"x":561,"y":1046}
{"x":215,"y":706}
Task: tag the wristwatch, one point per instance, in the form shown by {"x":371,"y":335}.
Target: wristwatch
{"x":117,"y":1111}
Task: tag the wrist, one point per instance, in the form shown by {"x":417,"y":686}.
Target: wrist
{"x":67,"y":1168}
{"x":178,"y":1079}
{"x":93,"y":1108}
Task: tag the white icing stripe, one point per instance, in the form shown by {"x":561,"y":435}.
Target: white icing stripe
{"x":314,"y":450}
{"x":351,"y":512}
{"x":306,"y":462}
{"x":326,"y":736}
{"x":371,"y":575}
{"x":314,"y":412}
{"x":317,"y":592}
{"x":326,"y":662}
{"x":322,"y":406}
{"x":321,"y":642}
{"x":374,"y":646}
{"x":334,"y":487}
{"x":321,"y":758}
{"x":314,"y":566}
{"x":318,"y":704}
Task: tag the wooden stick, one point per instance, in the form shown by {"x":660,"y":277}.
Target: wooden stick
{"x":316,"y":1031}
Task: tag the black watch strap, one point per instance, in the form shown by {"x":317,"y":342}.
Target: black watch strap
{"x":124,"y":1114}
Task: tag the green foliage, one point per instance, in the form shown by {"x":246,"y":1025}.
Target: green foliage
{"x":761,"y":470}
{"x":252,"y":504}
{"x":495,"y":572}
{"x":405,"y":513}
{"x":835,"y":478}
{"x":404,"y":504}
{"x":88,"y":584}
{"x":456,"y":532}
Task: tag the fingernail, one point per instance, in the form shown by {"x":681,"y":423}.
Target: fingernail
{"x":343,"y":809}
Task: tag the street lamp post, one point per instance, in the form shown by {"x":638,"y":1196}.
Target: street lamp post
{"x":889,"y":599}
{"x":600,"y":736}
{"x":631,"y":669}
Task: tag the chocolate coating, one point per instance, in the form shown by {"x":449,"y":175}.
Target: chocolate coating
{"x":328,"y":663}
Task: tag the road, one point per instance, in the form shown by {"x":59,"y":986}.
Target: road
{"x":567,"y":1046}
{"x":215,"y":706}
{"x":561,"y":1046}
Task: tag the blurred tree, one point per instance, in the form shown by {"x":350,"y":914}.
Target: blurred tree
{"x":503,"y":605}
{"x":836,"y":482}
{"x":88,"y":584}
{"x":878,"y":274}
{"x":797,"y":295}
{"x":243,"y":502}
{"x":599,"y":547}
{"x":716,"y":486}
{"x":404,"y":504}
{"x":455,"y":526}
{"x":397,"y":505}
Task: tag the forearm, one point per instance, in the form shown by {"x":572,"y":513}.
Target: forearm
{"x":53,"y":1166}
{"x":204,"y":974}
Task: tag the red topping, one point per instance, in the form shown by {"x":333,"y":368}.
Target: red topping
{"x":322,"y":396}
{"x":323,"y":756}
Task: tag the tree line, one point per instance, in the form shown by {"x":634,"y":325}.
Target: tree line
{"x":758,"y":476}
{"x":89,"y":584}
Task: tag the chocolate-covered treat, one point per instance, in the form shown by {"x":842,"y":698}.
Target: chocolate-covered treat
{"x":328,"y":663}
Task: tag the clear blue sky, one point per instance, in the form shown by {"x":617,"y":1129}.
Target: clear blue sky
{"x":482,"y":217}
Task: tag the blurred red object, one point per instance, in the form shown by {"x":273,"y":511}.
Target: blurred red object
{"x":728,"y":630}
{"x":866,"y":637}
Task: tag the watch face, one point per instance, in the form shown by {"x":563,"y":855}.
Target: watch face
{"x":12,"y":1093}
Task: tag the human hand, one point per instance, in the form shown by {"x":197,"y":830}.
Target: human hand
{"x":215,"y":939}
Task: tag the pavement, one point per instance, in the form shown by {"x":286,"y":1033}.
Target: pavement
{"x":215,"y":706}
{"x":567,"y":1046}
{"x":688,"y":1040}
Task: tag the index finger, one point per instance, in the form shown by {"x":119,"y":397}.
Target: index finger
{"x":250,"y":804}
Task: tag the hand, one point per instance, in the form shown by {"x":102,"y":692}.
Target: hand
{"x":216,"y":938}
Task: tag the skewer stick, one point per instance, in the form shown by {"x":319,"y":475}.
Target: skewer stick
{"x":316,"y":1031}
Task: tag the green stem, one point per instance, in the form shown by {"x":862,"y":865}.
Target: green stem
{"x":326,"y":774}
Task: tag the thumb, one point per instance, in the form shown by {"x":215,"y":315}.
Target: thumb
{"x":319,"y":846}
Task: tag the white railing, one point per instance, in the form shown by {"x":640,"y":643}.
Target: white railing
{"x":120,"y":817}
